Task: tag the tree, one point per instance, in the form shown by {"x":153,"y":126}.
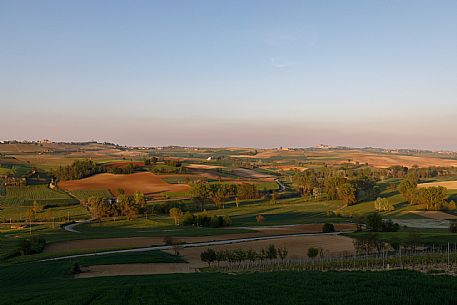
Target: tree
{"x":36,"y":208}
{"x":127,"y":206}
{"x":374,"y":222}
{"x":247,"y":191}
{"x":313,"y":252}
{"x":282,"y":253}
{"x":139,"y":199}
{"x":452,"y":206}
{"x":177,"y":215}
{"x":304,"y":182}
{"x":273,"y":199}
{"x":328,"y":228}
{"x":383,"y":204}
{"x":208,"y":256}
{"x":188,"y":219}
{"x":408,"y":188}
{"x":348,"y":193}
{"x":453,"y":227}
{"x":331,"y":186}
{"x":271,"y":252}
{"x":260,"y":218}
{"x":433,"y":197}
{"x":200,"y":192}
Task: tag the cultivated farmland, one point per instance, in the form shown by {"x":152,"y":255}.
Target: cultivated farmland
{"x":145,"y":182}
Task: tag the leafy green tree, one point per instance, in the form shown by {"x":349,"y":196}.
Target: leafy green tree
{"x":348,"y":193}
{"x":271,"y":252}
{"x":328,"y":228}
{"x":312,"y":252}
{"x":433,"y":197}
{"x":408,"y":188}
{"x":383,"y":204}
{"x":176,"y":214}
{"x":127,"y":206}
{"x":200,"y":192}
{"x":374,"y":222}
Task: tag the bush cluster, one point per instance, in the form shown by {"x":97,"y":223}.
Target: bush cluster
{"x":32,"y":246}
{"x":204,"y":220}
{"x":238,"y":255}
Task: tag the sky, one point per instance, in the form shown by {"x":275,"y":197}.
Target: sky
{"x":230,"y":73}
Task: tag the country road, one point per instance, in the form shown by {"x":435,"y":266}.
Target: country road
{"x":71,"y":227}
{"x":191,"y":245}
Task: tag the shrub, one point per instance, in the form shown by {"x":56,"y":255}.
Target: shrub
{"x":313,"y":252}
{"x":204,"y":220}
{"x":260,"y":218}
{"x":453,"y":227}
{"x":328,"y":228}
{"x":452,"y":206}
{"x":389,"y":226}
{"x":75,"y":268}
{"x":374,"y":222}
{"x":383,"y":204}
{"x":208,"y":256}
{"x":188,"y":219}
{"x":32,"y":246}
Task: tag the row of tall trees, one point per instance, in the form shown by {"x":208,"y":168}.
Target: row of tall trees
{"x":218,"y":193}
{"x":311,"y":183}
{"x":238,"y":255}
{"x":78,"y":170}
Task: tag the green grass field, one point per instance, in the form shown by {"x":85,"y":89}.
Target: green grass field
{"x":26,"y":195}
{"x":288,"y":211}
{"x":51,"y":283}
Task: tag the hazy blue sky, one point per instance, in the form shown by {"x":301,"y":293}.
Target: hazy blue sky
{"x":230,"y":73}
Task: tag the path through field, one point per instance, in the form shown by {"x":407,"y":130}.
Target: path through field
{"x":194,"y":245}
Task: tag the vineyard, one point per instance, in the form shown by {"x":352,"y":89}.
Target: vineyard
{"x":85,"y":194}
{"x":433,"y":260}
{"x":52,"y":283}
{"x":27,"y":195}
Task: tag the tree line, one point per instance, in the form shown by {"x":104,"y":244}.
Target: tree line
{"x":313,"y":183}
{"x":239,"y":255}
{"x":124,"y":205}
{"x":434,"y":197}
{"x":204,"y":193}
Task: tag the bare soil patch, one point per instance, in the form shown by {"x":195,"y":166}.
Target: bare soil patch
{"x":145,"y":182}
{"x":447,"y":184}
{"x":439,"y":215}
{"x":129,"y":242}
{"x":251,"y":174}
{"x":139,"y":242}
{"x":203,"y":166}
{"x":306,"y":228}
{"x":135,"y":269}
{"x":332,"y":245}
